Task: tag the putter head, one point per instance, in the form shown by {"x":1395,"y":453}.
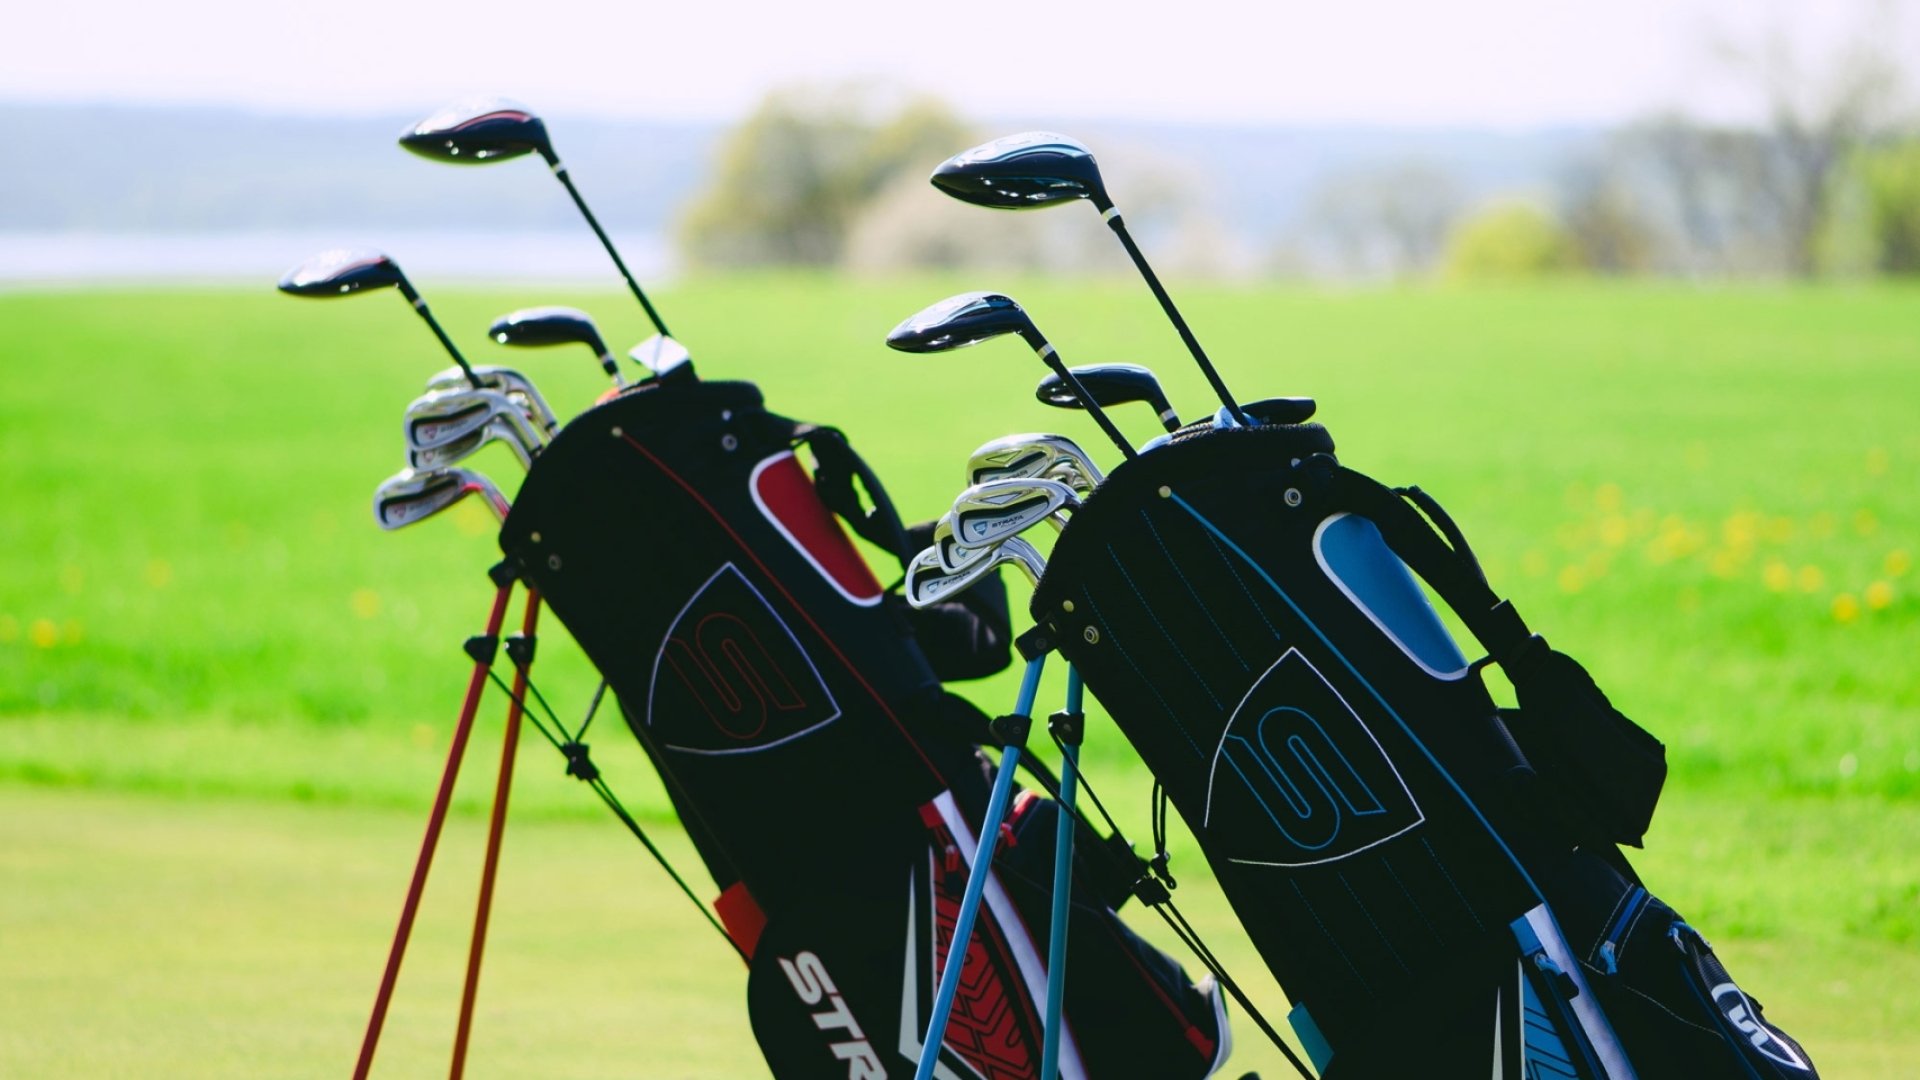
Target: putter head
{"x":518,"y":388}
{"x":1109,"y":385}
{"x":343,"y":271}
{"x":443,"y":416}
{"x":928,"y":584}
{"x":409,"y":496}
{"x":966,"y":319}
{"x":448,"y":454}
{"x":478,"y":131}
{"x":996,"y":510}
{"x":1024,"y":171}
{"x":664,"y":356}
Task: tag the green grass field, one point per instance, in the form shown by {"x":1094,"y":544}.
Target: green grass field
{"x":224,"y":693}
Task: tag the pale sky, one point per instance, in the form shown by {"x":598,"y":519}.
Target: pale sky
{"x":1484,"y":63}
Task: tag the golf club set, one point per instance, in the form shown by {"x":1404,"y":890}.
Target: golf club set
{"x":1436,"y":883}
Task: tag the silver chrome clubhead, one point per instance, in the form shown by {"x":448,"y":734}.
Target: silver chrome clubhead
{"x":661,"y":355}
{"x":446,"y":416}
{"x":515,"y":385}
{"x":994,"y":510}
{"x":445,"y":455}
{"x":409,"y":496}
{"x":1033,"y":454}
{"x":929,"y":584}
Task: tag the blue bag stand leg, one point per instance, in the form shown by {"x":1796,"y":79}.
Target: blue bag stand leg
{"x":1015,"y":735}
{"x":1068,"y":726}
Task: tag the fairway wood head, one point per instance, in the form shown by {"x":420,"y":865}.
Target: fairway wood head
{"x":444,"y":416}
{"x":518,"y":388}
{"x":664,"y":356}
{"x":498,"y":429}
{"x":1034,"y":454}
{"x":343,"y":271}
{"x":1024,"y":171}
{"x":995,"y":510}
{"x":966,"y":319}
{"x":554,"y":325}
{"x":409,"y":496}
{"x":928,"y":583}
{"x":1110,"y":385}
{"x":478,"y":131}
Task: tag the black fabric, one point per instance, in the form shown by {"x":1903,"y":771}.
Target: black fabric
{"x":805,"y":740}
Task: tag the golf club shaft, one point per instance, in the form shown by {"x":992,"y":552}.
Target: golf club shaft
{"x":1052,"y":1027}
{"x":420,"y":306}
{"x":435,"y":820}
{"x":560,"y":173}
{"x":1173,"y":314}
{"x":496,"y":830}
{"x":1051,"y":357}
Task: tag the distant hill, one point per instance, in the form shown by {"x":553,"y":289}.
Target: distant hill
{"x":175,"y":170}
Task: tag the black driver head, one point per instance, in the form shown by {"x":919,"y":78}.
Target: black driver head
{"x":479,"y":131}
{"x":966,"y":319}
{"x":547,"y":326}
{"x":343,"y":271}
{"x":1109,"y":385}
{"x":1020,"y":172}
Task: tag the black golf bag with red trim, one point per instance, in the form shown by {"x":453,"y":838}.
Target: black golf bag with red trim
{"x":1434,"y":882}
{"x":829,"y":782}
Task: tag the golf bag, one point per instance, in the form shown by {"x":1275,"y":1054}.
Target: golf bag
{"x":1434,"y":881}
{"x":828,"y":781}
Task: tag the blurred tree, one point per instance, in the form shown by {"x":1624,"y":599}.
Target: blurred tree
{"x":1607,"y":224}
{"x":793,"y":178}
{"x":1890,"y":177}
{"x":1391,"y":220}
{"x":1509,"y":239}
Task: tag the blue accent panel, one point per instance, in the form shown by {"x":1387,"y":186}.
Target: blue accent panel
{"x":1360,"y":560}
{"x":1314,"y":1043}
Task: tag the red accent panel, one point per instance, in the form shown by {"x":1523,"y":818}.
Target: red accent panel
{"x":786,"y":496}
{"x":742,"y":917}
{"x":993,"y":1025}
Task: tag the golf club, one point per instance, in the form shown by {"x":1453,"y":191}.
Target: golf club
{"x":1034,"y":454}
{"x":665,"y":357}
{"x":543,"y":326}
{"x":954,"y":555}
{"x":515,"y":385}
{"x":409,"y":496}
{"x":345,"y":271}
{"x":970,"y":318}
{"x":928,"y":584}
{"x":499,"y":430}
{"x":1110,"y":385}
{"x":484,"y":130}
{"x":1039,"y":168}
{"x":444,"y":416}
{"x":994,"y":510}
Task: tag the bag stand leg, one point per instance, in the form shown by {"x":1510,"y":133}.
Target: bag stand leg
{"x":482,"y":650}
{"x":1069,"y":726}
{"x":982,"y":868}
{"x":496,"y":829}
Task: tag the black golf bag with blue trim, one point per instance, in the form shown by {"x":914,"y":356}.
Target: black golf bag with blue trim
{"x":1434,"y":882}
{"x":828,"y":781}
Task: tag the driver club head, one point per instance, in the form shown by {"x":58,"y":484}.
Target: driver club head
{"x":966,"y":319}
{"x":1022,"y":172}
{"x":342,"y":272}
{"x":410,"y":496}
{"x":994,"y":510}
{"x":1110,"y":385}
{"x":477,"y":131}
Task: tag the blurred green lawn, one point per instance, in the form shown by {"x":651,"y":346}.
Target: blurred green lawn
{"x":224,"y":693}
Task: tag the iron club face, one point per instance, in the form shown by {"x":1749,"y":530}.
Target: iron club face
{"x":428,"y":458}
{"x":1110,"y":385}
{"x":444,"y":416}
{"x":990,"y":512}
{"x":1022,"y":172}
{"x":555,"y":325}
{"x":518,"y":388}
{"x":1034,"y":454}
{"x":927,"y":584}
{"x":409,"y":496}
